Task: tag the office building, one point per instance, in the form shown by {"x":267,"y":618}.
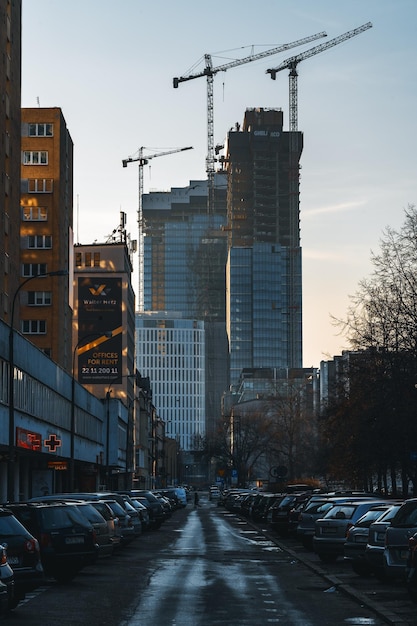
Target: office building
{"x":10,"y":87}
{"x":185,"y":251}
{"x":46,"y":236}
{"x":264,"y":289}
{"x":171,"y":350}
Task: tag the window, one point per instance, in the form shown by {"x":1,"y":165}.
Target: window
{"x":78,"y":259}
{"x":96,"y":259}
{"x":88,"y":259}
{"x":33,"y":327}
{"x":39,"y":241}
{"x":39,"y":298}
{"x":35,"y":157}
{"x":41,"y":130}
{"x":40,"y":185}
{"x":34,"y":214}
{"x":34,"y":269}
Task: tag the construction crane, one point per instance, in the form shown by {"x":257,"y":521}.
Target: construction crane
{"x":143,"y":160}
{"x":294,"y":152}
{"x":210,"y":71}
{"x":292,"y":63}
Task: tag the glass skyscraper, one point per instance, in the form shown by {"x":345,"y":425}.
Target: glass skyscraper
{"x":264,"y":285}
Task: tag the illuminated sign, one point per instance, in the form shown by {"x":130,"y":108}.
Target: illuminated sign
{"x":28,"y":439}
{"x":52,"y":443}
{"x":100,"y":313}
{"x":58,"y":466}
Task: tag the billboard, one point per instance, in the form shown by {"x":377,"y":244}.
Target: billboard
{"x":100,"y":330}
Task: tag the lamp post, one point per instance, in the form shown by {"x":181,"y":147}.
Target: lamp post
{"x":81,"y":342}
{"x":11,"y":451}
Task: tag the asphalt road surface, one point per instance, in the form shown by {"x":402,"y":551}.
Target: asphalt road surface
{"x":204,"y":567}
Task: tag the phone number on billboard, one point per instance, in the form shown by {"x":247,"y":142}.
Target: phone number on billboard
{"x":100,"y":370}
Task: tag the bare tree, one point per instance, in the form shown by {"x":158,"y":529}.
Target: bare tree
{"x":380,"y":401}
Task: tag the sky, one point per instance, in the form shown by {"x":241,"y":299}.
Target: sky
{"x":109,"y":66}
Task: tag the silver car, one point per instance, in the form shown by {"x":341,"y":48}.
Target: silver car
{"x":330,"y":531}
{"x":403,"y":526}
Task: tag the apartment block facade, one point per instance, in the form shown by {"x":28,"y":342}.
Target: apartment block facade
{"x":46,"y":233}
{"x":10,"y":88}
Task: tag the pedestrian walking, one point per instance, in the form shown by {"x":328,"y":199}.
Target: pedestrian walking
{"x":195,"y":499}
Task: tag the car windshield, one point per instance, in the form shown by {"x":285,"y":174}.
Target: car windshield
{"x":406,"y":515}
{"x":388,"y":515}
{"x":341,"y":511}
{"x":318,"y":507}
{"x":61,"y":517}
{"x":90,"y":513}
{"x":116,"y":508}
{"x":369,"y":517}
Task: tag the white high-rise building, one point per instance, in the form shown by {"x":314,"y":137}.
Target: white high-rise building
{"x":171,"y":351}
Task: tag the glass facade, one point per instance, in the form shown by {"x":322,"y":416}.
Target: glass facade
{"x":172,"y":353}
{"x":259,"y":301}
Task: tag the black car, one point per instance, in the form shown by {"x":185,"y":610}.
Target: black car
{"x":154,"y":506}
{"x":23,"y":555}
{"x":67,"y":540}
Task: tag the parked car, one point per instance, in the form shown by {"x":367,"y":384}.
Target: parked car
{"x":262,"y":504}
{"x":279,"y":514}
{"x":23,"y":556}
{"x":374,"y":551}
{"x":104,"y":542}
{"x":112,"y":521}
{"x":128,"y":531}
{"x":214,"y":493}
{"x":157,"y":512}
{"x":357,"y":539}
{"x":330,"y":531}
{"x":141,"y":510}
{"x":316,"y":508}
{"x":403,"y":526}
{"x":67,"y":540}
{"x":7,"y":583}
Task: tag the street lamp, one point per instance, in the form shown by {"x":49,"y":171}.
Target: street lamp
{"x":81,"y":342}
{"x":11,"y":455}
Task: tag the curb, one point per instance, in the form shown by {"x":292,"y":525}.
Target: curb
{"x":384,"y":614}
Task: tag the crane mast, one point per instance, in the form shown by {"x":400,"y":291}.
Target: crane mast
{"x":209,"y":72}
{"x":294,"y":149}
{"x":143,"y":160}
{"x":292,"y":63}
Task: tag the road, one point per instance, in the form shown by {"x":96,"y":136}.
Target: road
{"x":204,"y":567}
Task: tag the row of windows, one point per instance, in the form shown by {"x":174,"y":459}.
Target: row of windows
{"x":34,"y":269}
{"x":33,"y":327}
{"x":34,"y":214}
{"x":36,"y":185}
{"x":90,"y":259}
{"x":39,"y":241}
{"x":39,"y":298}
{"x":35,"y":157}
{"x":41,"y":130}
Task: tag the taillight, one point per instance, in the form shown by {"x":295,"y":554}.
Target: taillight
{"x":31,"y":545}
{"x":3,"y":555}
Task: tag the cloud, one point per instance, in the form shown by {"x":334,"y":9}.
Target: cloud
{"x":336,"y":208}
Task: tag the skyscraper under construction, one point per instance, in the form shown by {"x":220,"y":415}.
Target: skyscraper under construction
{"x":263,"y":274}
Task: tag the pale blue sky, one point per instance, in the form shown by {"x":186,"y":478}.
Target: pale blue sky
{"x":109,"y":66}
